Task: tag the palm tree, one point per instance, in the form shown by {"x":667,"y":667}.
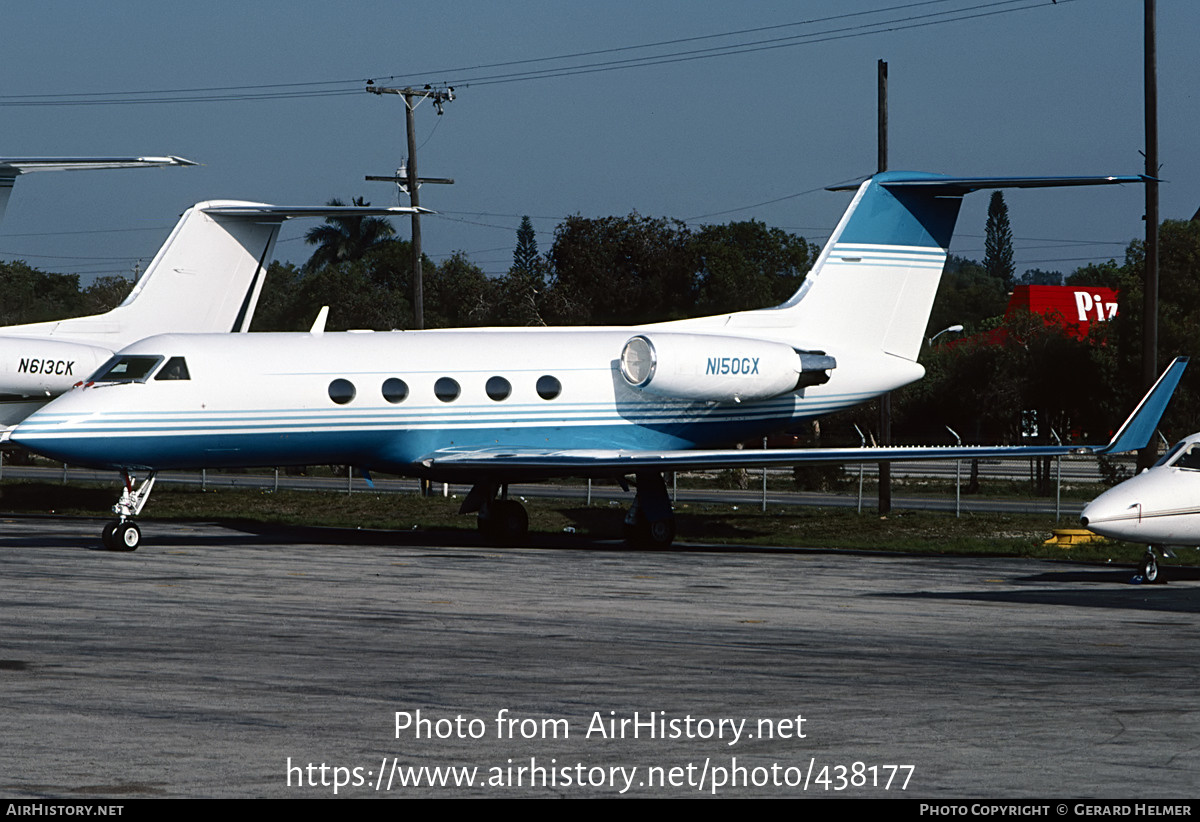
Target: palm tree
{"x":341,"y":239}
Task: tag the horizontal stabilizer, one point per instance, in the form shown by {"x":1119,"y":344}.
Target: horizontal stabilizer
{"x":12,"y":166}
{"x":965,"y":185}
{"x":287,"y":212}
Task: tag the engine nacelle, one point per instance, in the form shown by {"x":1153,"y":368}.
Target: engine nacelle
{"x":35,"y":367}
{"x":714,"y":368}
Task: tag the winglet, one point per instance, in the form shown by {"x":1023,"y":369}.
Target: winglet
{"x":1136,"y":431}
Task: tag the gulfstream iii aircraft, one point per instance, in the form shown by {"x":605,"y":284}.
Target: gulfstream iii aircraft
{"x":206,"y":278}
{"x":493,"y":406}
{"x":1159,"y":507}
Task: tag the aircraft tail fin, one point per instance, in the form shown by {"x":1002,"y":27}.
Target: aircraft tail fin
{"x":207,"y":276}
{"x":873,"y":285}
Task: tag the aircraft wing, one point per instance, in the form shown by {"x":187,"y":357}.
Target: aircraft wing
{"x":615,"y":461}
{"x":1135,"y":433}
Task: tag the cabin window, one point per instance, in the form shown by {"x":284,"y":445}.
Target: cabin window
{"x":446,"y":389}
{"x":395,"y":390}
{"x":175,"y":369}
{"x":341,"y":391}
{"x":127,"y":369}
{"x":548,"y":387}
{"x":498,"y":388}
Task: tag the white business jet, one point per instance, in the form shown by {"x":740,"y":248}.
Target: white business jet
{"x":206,"y":278}
{"x":1159,"y":507}
{"x":494,"y":406}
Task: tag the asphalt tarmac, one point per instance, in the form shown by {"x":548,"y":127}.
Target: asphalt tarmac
{"x":312,"y":663}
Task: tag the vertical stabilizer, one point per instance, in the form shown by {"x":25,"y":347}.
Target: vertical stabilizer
{"x":206,"y":277}
{"x":873,"y":285}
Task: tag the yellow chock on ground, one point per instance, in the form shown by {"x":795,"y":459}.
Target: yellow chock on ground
{"x":1066,"y":537}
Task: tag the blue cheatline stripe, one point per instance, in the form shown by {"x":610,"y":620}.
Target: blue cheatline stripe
{"x":57,"y":424}
{"x":895,"y":256}
{"x":397,"y":449}
{"x":144,"y":428}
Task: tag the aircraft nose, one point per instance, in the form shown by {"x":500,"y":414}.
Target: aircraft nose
{"x":1112,"y":514}
{"x":54,"y":435}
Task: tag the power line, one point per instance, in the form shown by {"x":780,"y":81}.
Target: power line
{"x":328,"y":88}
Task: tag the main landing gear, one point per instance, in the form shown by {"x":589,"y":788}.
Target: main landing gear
{"x":123,"y":533}
{"x":501,"y":520}
{"x":650,"y":522}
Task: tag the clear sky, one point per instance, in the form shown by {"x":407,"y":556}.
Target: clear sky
{"x":781,"y":104}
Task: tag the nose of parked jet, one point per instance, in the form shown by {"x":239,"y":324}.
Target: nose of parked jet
{"x":1119,"y":512}
{"x":1111,"y":515}
{"x":59,"y":436}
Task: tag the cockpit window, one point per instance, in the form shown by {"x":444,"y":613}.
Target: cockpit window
{"x":175,"y":369}
{"x":1170,"y":455}
{"x":126,"y":369}
{"x":1190,"y":458}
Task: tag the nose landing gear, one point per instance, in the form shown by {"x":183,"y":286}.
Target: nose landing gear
{"x":123,"y":533}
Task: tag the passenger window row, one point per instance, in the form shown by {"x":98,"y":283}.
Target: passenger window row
{"x":446,"y":389}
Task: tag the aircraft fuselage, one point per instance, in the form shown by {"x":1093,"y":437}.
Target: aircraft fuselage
{"x":386,"y":400}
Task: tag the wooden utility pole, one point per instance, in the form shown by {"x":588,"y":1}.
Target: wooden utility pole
{"x":412,"y":181}
{"x":1149,"y":455}
{"x":885,"y":400}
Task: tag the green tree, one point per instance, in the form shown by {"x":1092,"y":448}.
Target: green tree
{"x":522,"y":297}
{"x":525,"y":255}
{"x":1036,"y":276}
{"x":32,"y":296}
{"x":746,"y":265}
{"x":277,"y":308}
{"x":371,"y":292}
{"x":1178,"y":324}
{"x":355,"y":299}
{"x":966,"y":296}
{"x":998,"y":248}
{"x":621,"y":270}
{"x":458,"y":295}
{"x":1108,"y":275}
{"x":342,"y":239}
{"x":105,"y":294}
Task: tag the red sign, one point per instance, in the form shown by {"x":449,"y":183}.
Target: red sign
{"x":1078,"y":305}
